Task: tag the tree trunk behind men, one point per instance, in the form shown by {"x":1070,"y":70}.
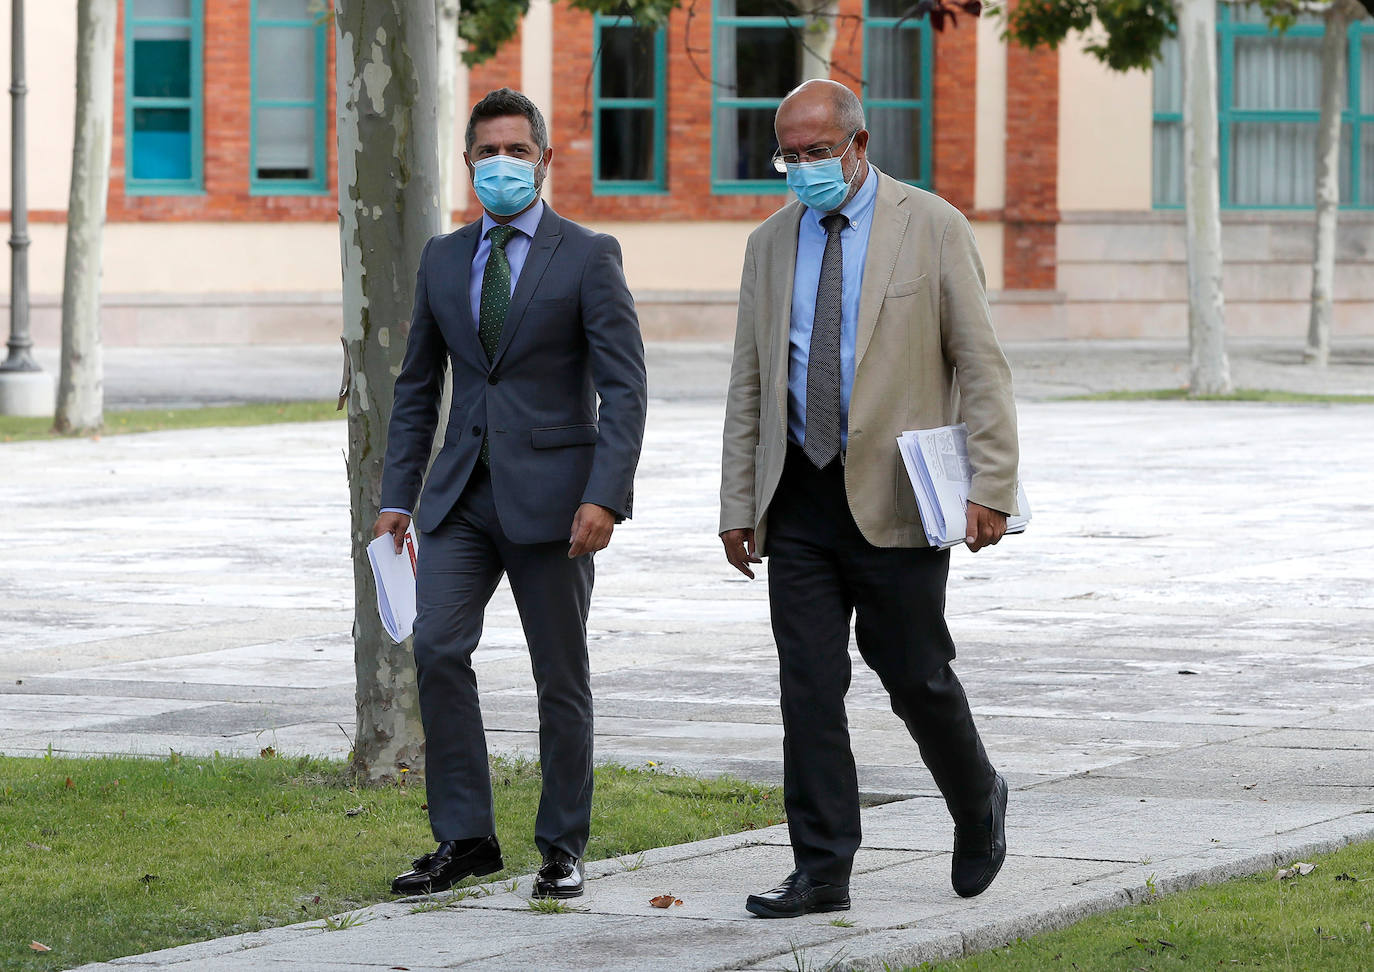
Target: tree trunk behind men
{"x":446,"y":22}
{"x":388,"y":208}
{"x":1209,"y":372}
{"x":80,"y":399}
{"x":1328,"y":196}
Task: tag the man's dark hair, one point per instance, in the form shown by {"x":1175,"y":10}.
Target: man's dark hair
{"x":502,"y":103}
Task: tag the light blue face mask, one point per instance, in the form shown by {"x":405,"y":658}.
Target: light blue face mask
{"x":504,"y":184}
{"x":821,"y":185}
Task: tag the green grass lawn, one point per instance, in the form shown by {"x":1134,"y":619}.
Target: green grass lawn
{"x":1239,"y":395}
{"x":15,"y":429}
{"x":1321,"y":922}
{"x":107,"y":857}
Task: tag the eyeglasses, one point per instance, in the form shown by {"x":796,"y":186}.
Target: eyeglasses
{"x":781,"y":162}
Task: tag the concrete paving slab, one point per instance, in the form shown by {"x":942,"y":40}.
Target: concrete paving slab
{"x":1167,"y":538}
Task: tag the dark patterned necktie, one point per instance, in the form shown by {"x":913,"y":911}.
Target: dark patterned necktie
{"x":822,"y":441}
{"x":491,"y":317}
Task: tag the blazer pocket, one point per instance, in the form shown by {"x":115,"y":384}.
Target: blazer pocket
{"x":563,"y":435}
{"x":905,"y":288}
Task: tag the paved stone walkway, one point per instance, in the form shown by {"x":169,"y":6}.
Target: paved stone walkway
{"x":1174,"y":668}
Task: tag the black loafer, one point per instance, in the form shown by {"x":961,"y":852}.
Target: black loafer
{"x":798,"y":895}
{"x":980,"y":849}
{"x":449,"y":864}
{"x":560,"y":877}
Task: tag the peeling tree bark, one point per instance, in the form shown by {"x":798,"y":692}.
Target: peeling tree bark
{"x":446,"y":21}
{"x":1209,"y":372}
{"x":1334,"y":55}
{"x":80,"y":393}
{"x":388,"y":208}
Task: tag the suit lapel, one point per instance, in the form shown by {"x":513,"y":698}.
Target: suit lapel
{"x":468,"y":341}
{"x":782,"y":278}
{"x":890,"y":219}
{"x":545,"y":242}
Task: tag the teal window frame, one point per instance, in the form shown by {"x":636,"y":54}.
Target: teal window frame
{"x":658,"y":183}
{"x":194,"y":185}
{"x":319,"y":185}
{"x":719,"y":100}
{"x":925,"y":102}
{"x":1353,"y":117}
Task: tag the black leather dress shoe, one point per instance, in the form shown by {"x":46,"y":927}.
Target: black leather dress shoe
{"x":449,"y":864}
{"x":980,"y":849}
{"x":798,"y":895}
{"x":560,"y":877}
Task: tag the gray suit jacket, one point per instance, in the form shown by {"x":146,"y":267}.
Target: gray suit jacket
{"x":571,"y":336}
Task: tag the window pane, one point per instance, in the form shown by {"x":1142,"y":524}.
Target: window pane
{"x":748,"y":155}
{"x":286,"y":63}
{"x":162,"y":143}
{"x":1167,"y":164}
{"x":1273,"y":164}
{"x":627,"y":62}
{"x":1168,"y":78}
{"x":162,"y":62}
{"x":285,"y":143}
{"x":285,"y":10}
{"x":1366,"y":165}
{"x":756,"y":8}
{"x":1367,"y":74}
{"x":1278,"y":73}
{"x":894,"y":63}
{"x":762,"y":62}
{"x":895,"y":145}
{"x":889,"y":8}
{"x":626,"y":144}
{"x":152,"y":9}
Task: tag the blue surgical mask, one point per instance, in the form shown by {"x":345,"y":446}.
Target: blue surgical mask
{"x":504,"y":184}
{"x":820,"y":185}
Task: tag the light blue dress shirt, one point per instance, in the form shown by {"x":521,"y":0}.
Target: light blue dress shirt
{"x":517,"y":248}
{"x":810,"y":250}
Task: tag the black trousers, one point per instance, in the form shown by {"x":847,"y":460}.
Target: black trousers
{"x":460,"y":564}
{"x":822,"y":572}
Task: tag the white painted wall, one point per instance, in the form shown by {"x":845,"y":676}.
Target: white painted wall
{"x":50,"y":49}
{"x":990,"y":163}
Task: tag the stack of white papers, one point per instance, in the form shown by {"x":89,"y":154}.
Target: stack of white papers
{"x":937,"y":462}
{"x":395,"y":576}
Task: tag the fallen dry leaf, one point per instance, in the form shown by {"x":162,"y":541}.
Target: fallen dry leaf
{"x":69,"y":784}
{"x":1248,"y":786}
{"x":1301,"y":868}
{"x":354,"y":811}
{"x":39,"y":947}
{"x":665,"y":901}
{"x":45,"y":847}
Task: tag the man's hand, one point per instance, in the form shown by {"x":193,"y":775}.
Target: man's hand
{"x":739,"y":550}
{"x":985,"y":527}
{"x":591,"y":530}
{"x":395,"y":524}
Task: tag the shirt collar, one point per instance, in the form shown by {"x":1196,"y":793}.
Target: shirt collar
{"x":860,"y":206}
{"x":527,"y":222}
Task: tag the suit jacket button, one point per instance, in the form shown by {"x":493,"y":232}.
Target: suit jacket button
{"x":493,"y":379}
{"x":476,"y":430}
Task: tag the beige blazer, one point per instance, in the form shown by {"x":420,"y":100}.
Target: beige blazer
{"x":925,"y":356}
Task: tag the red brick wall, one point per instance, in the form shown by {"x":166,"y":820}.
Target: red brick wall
{"x":501,"y":71}
{"x":954,"y":127}
{"x":227,"y":136}
{"x":1032,"y":165}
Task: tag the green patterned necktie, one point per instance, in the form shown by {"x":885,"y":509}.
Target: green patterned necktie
{"x":491,"y":317}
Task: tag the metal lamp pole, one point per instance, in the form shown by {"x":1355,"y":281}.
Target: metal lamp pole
{"x":19,"y":358}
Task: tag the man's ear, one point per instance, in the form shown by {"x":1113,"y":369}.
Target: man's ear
{"x":861,"y":142}
{"x":468,"y":162}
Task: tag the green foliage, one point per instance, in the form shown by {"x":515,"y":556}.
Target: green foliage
{"x":487,"y":24}
{"x":1130,"y":36}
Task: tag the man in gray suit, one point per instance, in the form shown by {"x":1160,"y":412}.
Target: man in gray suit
{"x":532,"y":314}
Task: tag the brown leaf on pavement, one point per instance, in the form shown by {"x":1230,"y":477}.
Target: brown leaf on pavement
{"x":665,"y":901}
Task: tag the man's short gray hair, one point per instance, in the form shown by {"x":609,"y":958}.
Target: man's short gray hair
{"x":848,"y":110}
{"x":502,"y":103}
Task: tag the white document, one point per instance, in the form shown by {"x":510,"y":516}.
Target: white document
{"x":936,"y":461}
{"x":395,"y":576}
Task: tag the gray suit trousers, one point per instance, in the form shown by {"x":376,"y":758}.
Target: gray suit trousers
{"x":460,"y":563}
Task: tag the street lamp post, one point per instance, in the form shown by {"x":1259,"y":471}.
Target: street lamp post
{"x":24,"y":389}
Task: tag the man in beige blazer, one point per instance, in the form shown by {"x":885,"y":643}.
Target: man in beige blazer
{"x":862,"y":314}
